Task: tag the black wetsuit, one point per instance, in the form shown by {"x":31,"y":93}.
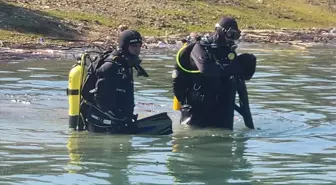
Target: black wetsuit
{"x":113,"y":99}
{"x":204,"y":95}
{"x":115,"y":91}
{"x":204,"y":78}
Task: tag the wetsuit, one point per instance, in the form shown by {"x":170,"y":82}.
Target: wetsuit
{"x":114,"y":89}
{"x":204,"y":95}
{"x":201,"y":79}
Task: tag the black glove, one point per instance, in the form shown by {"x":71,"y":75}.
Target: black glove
{"x":247,"y":64}
{"x":236,"y":68}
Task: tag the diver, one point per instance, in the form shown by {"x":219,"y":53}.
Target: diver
{"x":114,"y":88}
{"x":101,"y":92}
{"x":203,"y":72}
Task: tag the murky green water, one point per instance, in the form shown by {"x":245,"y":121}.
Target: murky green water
{"x":293,"y":102}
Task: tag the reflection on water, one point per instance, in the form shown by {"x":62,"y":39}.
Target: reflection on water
{"x":292,"y":99}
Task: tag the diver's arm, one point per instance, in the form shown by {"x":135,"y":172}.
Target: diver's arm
{"x":107,"y":69}
{"x":206,"y":65}
{"x":108,"y":80}
{"x":248,"y":64}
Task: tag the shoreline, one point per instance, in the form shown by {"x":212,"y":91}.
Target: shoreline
{"x":298,"y":38}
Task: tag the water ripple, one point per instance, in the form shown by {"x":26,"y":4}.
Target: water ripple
{"x":292,"y":96}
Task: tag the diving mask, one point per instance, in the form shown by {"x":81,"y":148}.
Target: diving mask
{"x":231,"y":33}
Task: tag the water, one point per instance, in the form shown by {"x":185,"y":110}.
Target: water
{"x":292,"y":99}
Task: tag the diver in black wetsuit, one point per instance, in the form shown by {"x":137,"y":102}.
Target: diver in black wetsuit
{"x":201,"y":78}
{"x":114,"y":89}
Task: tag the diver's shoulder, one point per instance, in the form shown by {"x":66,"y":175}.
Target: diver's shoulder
{"x":111,"y":64}
{"x":205,"y":40}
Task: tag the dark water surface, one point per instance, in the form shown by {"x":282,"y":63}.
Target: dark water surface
{"x":293,"y":102}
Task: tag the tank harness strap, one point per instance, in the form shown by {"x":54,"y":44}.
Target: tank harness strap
{"x":72,"y":91}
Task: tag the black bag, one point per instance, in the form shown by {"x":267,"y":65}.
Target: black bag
{"x":91,"y":78}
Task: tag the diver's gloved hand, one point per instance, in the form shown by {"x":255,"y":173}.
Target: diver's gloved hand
{"x":244,"y":66}
{"x":247,"y":58}
{"x":247,"y":64}
{"x":236,"y":68}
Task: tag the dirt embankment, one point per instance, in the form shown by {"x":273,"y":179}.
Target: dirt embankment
{"x":62,"y":24}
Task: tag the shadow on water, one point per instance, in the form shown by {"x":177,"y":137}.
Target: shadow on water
{"x":20,"y":19}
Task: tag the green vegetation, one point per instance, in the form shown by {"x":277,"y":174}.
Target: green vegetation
{"x":26,"y":21}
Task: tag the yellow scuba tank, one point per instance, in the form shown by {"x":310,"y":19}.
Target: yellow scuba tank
{"x":76,"y":77}
{"x":176,"y":104}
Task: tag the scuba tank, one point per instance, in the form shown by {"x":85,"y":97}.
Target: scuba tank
{"x":176,"y":104}
{"x":181,"y":55}
{"x":75,"y":83}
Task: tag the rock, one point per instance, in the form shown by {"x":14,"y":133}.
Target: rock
{"x":319,"y":31}
{"x":329,"y":35}
{"x":151,"y":40}
{"x":122,"y":27}
{"x":161,"y":44}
